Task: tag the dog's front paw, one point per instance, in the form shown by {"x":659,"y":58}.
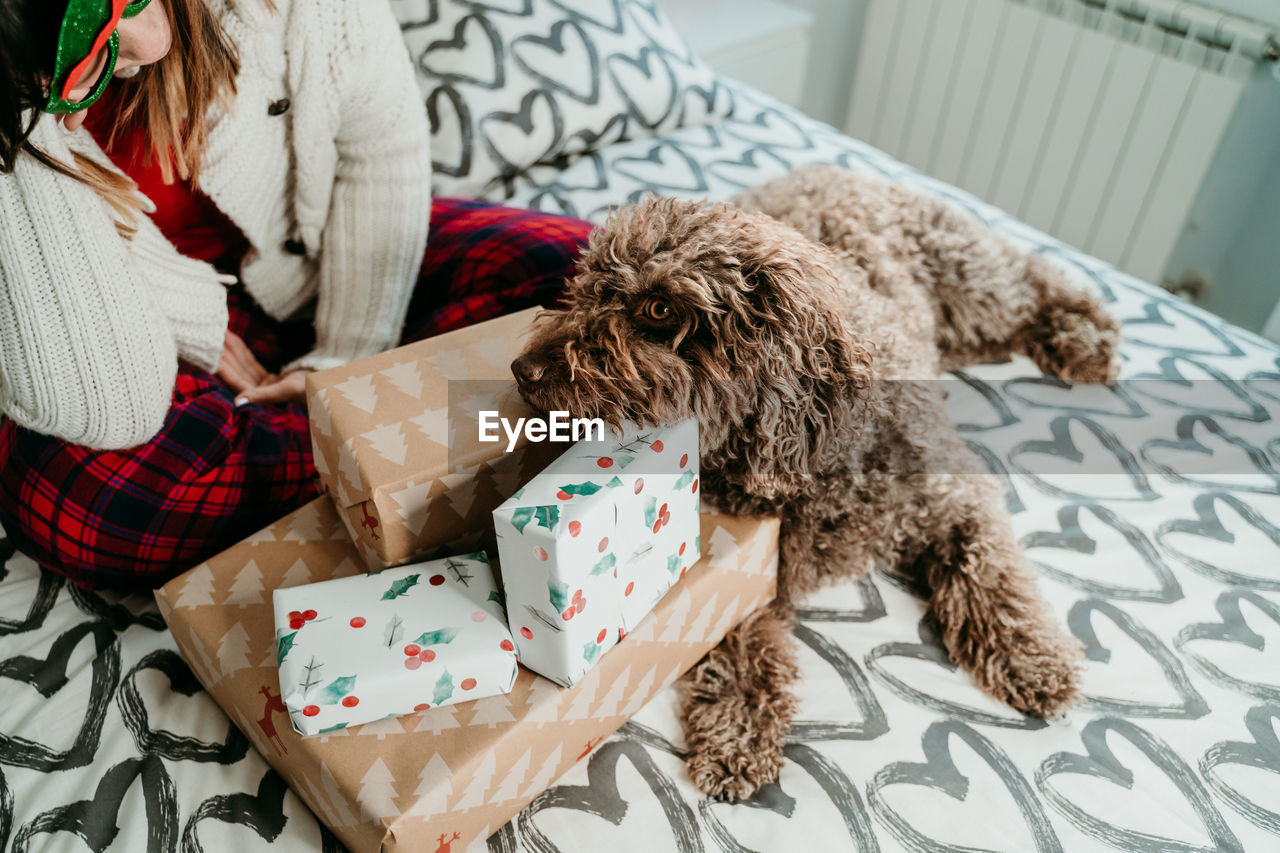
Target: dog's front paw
{"x":1078,"y":343}
{"x":1042,"y":679}
{"x":733,"y":770}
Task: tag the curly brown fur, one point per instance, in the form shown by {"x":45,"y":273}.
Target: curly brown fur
{"x":804,"y":341}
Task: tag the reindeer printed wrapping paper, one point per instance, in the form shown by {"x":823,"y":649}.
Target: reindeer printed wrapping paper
{"x":591,"y":544}
{"x":404,"y":466}
{"x":458,"y":771}
{"x":357,"y":649}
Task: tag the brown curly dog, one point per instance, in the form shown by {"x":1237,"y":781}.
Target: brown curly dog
{"x":801,"y":326}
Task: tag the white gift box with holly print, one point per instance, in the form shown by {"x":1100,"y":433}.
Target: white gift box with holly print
{"x":594,"y":541}
{"x":395,"y":642}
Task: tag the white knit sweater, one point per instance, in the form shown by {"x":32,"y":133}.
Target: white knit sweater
{"x":92,"y":325}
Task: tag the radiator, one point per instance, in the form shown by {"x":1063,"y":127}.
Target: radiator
{"x":1093,"y":120}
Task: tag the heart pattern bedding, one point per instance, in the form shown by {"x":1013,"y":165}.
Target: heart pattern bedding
{"x":1149,"y":509}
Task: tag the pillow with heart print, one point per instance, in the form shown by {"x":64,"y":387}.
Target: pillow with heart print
{"x":513,"y":83}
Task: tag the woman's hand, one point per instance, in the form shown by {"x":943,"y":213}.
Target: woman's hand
{"x":290,"y":388}
{"x":238,"y":366}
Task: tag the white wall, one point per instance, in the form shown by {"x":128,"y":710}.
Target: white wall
{"x":834,"y":43}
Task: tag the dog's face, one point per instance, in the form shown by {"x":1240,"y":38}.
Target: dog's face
{"x":683,"y":309}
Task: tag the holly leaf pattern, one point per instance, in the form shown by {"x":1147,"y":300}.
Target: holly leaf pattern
{"x":284,"y":644}
{"x":332,"y":728}
{"x":443,"y":690}
{"x":650,"y":511}
{"x":438,"y":637}
{"x":607,"y":562}
{"x":547,"y":516}
{"x":401,"y":587}
{"x":673,"y":563}
{"x":335,"y":690}
{"x":494,"y":595}
{"x":590,"y":652}
{"x":614,"y":483}
{"x":685,"y":479}
{"x":521,"y":517}
{"x":581,"y":488}
{"x":559,"y":591}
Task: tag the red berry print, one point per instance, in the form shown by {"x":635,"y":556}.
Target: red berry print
{"x":357,"y":622}
{"x":657,"y":525}
{"x":600,"y":637}
{"x":657,"y":446}
{"x":468,"y":684}
{"x":309,"y":615}
{"x":631,"y":587}
{"x":540,"y":553}
{"x":575,"y":527}
{"x":604,"y":543}
{"x":604,"y":462}
{"x":412,"y":649}
{"x":350,"y":701}
{"x":296,"y":624}
{"x":478,"y":616}
{"x":507,"y":646}
{"x":684,"y":460}
{"x":695,"y":487}
{"x":622,"y":634}
{"x":295,"y":614}
{"x":568,"y":614}
{"x":311,"y":710}
{"x":681,"y":551}
{"x":526,"y":633}
{"x":563,"y":495}
{"x":436,"y":580}
{"x":683,"y":570}
{"x":426,"y":655}
{"x":639,"y":485}
{"x":412,"y":663}
{"x":425,"y":706}
{"x":663,"y":510}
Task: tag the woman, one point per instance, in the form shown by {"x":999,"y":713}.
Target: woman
{"x":202,"y":201}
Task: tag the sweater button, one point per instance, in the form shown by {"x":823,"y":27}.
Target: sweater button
{"x":295,"y":247}
{"x":279,"y":107}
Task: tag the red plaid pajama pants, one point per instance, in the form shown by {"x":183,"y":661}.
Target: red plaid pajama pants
{"x":216,"y":474}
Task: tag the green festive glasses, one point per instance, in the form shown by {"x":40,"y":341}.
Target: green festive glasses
{"x":88,"y":28}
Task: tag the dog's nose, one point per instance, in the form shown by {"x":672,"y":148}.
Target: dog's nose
{"x":528,"y":369}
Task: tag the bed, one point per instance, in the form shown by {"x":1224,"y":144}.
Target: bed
{"x":1150,"y":510}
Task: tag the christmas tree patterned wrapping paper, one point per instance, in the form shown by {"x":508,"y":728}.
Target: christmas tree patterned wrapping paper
{"x":358,"y":649}
{"x":400,"y":783}
{"x":591,"y":544}
{"x":406,"y":469}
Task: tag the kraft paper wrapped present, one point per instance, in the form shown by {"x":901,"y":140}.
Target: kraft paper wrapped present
{"x":592,"y":542}
{"x":357,"y":649}
{"x":400,"y":783}
{"x":407,"y":470}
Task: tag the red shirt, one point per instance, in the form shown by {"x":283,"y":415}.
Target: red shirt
{"x":187,"y":217}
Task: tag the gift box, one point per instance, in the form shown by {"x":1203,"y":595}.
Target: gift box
{"x":396,"y":441}
{"x":354,"y":650}
{"x":400,"y":783}
{"x":592,"y":542}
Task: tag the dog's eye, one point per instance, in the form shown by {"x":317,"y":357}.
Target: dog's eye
{"x":655,"y":310}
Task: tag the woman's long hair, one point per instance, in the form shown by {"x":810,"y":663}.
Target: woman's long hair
{"x":169,"y":99}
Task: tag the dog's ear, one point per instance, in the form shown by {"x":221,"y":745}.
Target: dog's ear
{"x":812,"y":377}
